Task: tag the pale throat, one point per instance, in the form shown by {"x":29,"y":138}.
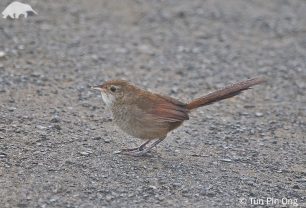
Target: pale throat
{"x":107,"y":99}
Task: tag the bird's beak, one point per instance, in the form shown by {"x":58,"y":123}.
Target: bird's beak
{"x":98,"y":87}
{"x":95,"y":87}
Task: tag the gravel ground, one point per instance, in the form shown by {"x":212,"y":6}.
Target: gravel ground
{"x":57,"y":139}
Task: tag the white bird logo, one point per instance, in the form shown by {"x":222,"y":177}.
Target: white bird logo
{"x":15,"y":9}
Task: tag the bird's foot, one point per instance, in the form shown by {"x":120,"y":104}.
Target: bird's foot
{"x":132,"y":151}
{"x":140,"y":151}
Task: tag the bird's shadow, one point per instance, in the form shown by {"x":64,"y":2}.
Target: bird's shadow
{"x":164,"y":161}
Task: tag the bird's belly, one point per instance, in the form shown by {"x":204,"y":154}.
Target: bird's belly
{"x":135,"y":125}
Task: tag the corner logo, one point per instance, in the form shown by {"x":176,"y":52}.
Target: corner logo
{"x":15,"y":9}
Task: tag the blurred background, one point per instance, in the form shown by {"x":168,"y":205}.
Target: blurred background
{"x":57,"y":139}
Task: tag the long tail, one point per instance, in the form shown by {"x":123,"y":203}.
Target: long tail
{"x":224,"y":93}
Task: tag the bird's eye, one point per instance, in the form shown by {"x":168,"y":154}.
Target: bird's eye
{"x":113,"y":89}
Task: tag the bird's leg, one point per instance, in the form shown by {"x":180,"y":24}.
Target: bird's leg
{"x":140,"y":148}
{"x":145,"y":150}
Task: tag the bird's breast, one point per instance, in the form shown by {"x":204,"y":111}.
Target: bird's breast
{"x":137,"y":123}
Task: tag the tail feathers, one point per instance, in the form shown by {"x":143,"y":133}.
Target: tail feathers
{"x":224,"y":93}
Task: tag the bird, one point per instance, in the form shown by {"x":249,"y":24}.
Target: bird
{"x":151,"y":116}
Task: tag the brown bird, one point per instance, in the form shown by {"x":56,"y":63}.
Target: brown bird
{"x":151,"y":116}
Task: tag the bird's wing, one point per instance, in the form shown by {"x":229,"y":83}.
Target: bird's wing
{"x":165,"y":109}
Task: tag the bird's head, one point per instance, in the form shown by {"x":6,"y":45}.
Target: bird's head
{"x":113,"y":90}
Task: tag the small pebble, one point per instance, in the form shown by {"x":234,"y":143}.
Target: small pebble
{"x":174,"y":90}
{"x":109,"y":197}
{"x":55,"y":120}
{"x":57,"y":127}
{"x":106,"y":140}
{"x":226,"y":160}
{"x":53,"y":200}
{"x":86,"y":153}
{"x":11,"y":109}
{"x":41,"y":127}
{"x":97,"y":138}
{"x":2,"y":54}
{"x":296,"y":187}
{"x":199,"y":155}
{"x":3,"y":155}
{"x":153,"y":187}
{"x":258,"y":114}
